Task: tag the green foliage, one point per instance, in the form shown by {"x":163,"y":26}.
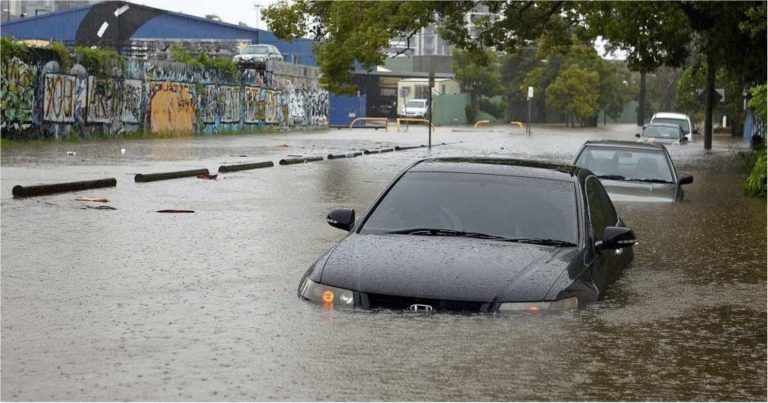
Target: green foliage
{"x":99,"y":61}
{"x":10,"y":49}
{"x":758,"y":103}
{"x":478,"y":73}
{"x":575,"y":91}
{"x":495,"y":109}
{"x":756,"y":182}
{"x":225,"y":67}
{"x":62,"y":54}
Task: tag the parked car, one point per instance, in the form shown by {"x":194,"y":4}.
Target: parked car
{"x":478,"y":235}
{"x":258,"y":54}
{"x":679,"y":119}
{"x":415,"y":108}
{"x":633,"y":171}
{"x":663,"y":133}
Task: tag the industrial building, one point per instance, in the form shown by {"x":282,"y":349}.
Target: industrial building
{"x":142,"y":31}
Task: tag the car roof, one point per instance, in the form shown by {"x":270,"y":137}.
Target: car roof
{"x":499,"y":166}
{"x":623,"y":144}
{"x":672,"y":125}
{"x":673,"y":115}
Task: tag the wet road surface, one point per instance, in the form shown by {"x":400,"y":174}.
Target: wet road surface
{"x":134,"y":305}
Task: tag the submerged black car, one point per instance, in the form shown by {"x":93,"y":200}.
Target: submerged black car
{"x":478,"y":235}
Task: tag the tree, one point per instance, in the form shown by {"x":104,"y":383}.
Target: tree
{"x":576,"y":92}
{"x":653,"y":34}
{"x":356,"y":33}
{"x":478,"y":74}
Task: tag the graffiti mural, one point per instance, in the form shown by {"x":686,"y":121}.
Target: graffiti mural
{"x":63,"y":96}
{"x":171,"y":108}
{"x":17,"y":89}
{"x":156,"y":96}
{"x":229,"y":104}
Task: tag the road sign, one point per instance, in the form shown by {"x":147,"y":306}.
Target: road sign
{"x":530,"y":92}
{"x":719,"y":95}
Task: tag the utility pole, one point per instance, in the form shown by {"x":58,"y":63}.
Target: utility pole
{"x":530,"y":102}
{"x":429,"y":102}
{"x":257,"y":6}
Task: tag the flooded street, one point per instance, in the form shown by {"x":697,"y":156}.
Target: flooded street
{"x":134,"y":305}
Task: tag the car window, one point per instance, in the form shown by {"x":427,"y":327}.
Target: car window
{"x":257,"y":49}
{"x":507,"y":206}
{"x":680,"y":122}
{"x":667,"y":132}
{"x":601,"y":210}
{"x":626,"y":162}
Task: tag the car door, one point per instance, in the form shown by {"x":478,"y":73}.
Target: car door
{"x":601,"y":214}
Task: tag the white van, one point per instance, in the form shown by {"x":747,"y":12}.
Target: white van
{"x":415,"y":108}
{"x":679,"y":119}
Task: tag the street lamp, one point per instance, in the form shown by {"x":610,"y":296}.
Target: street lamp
{"x":258,"y":7}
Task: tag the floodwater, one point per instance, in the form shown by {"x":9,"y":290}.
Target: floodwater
{"x":130,"y":304}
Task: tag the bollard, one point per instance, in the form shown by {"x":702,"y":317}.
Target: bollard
{"x":170,"y":175}
{"x":347,"y":155}
{"x":38,"y":190}
{"x":379,"y":151}
{"x":292,"y":161}
{"x":244,"y":167}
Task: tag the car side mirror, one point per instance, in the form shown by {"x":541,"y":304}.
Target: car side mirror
{"x":617,"y":237}
{"x":637,"y":135}
{"x":685,"y":179}
{"x":342,"y":218}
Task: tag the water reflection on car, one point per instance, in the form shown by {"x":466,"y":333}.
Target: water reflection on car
{"x":477,"y":235}
{"x":633,"y":171}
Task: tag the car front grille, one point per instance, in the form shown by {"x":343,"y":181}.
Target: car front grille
{"x":394,"y":302}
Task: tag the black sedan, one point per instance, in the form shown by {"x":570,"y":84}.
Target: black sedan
{"x":634,"y":171}
{"x":477,"y":235}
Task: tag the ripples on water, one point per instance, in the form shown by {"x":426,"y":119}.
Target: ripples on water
{"x":134,"y":305}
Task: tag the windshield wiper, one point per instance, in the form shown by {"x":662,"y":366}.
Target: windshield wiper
{"x":649,"y":180}
{"x":444,"y":232}
{"x":450,"y":232}
{"x":615,"y":177}
{"x":541,"y":241}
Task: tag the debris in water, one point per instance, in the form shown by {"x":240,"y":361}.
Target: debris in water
{"x":283,"y":145}
{"x":98,"y":207}
{"x":122,"y":151}
{"x":71,"y":153}
{"x":93,"y":199}
{"x":175,"y":211}
{"x":207,"y":176}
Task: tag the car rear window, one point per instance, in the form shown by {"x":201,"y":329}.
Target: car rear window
{"x":669,"y":132}
{"x":680,"y":122}
{"x":626,"y":162}
{"x":507,"y":206}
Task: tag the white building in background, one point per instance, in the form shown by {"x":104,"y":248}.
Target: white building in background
{"x":428,"y":42}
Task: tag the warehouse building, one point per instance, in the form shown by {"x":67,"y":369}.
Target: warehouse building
{"x":142,"y":31}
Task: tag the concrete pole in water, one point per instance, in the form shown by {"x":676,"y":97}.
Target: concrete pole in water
{"x":530,"y":102}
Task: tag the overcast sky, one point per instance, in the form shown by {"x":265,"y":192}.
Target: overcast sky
{"x":232,"y":11}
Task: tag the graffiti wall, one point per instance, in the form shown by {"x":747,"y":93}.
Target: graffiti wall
{"x":17,"y":91}
{"x":158,"y":97}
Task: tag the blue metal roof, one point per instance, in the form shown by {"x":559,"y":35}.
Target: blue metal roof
{"x":63,"y":26}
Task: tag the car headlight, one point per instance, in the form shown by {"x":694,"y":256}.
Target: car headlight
{"x":537,"y":306}
{"x":326,"y":294}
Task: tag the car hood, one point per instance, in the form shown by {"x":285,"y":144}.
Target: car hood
{"x":445,"y":268}
{"x":623,"y":191}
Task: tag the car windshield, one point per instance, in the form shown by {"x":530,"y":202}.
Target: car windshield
{"x":626,"y":163}
{"x":667,"y":132}
{"x":415,"y":104}
{"x":501,"y":206}
{"x":255,"y":50}
{"x":679,"y":122}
